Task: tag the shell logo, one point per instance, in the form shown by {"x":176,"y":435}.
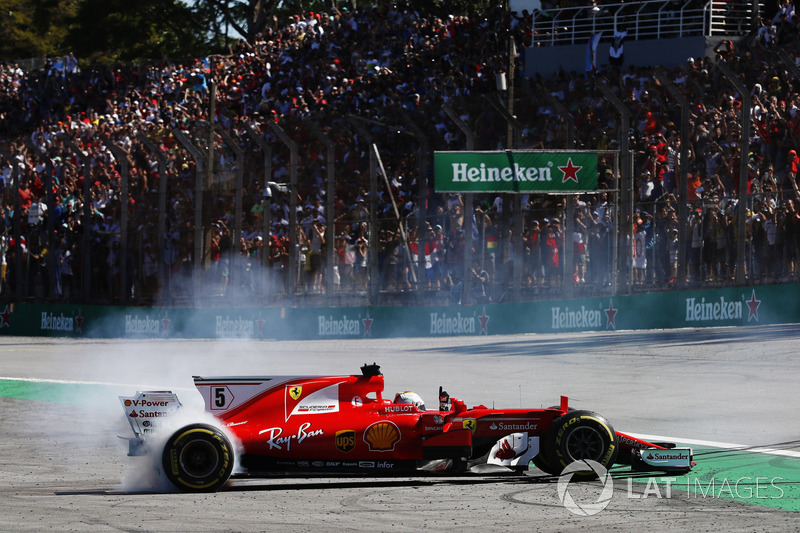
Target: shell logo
{"x":382,"y":436}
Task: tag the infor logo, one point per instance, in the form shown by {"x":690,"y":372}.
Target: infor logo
{"x":582,"y":508}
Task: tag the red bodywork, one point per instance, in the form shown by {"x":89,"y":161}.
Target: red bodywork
{"x":343,"y":422}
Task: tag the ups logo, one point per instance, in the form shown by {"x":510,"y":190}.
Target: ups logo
{"x":345,"y":440}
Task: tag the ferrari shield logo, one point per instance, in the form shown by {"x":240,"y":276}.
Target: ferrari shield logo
{"x":470,"y":424}
{"x":295,"y":391}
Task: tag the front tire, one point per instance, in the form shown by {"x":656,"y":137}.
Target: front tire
{"x":198,"y":458}
{"x":578,"y":436}
{"x":543,"y":463}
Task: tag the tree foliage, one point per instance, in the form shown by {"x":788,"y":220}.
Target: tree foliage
{"x":33,"y":28}
{"x":145,"y":29}
{"x":122,"y":30}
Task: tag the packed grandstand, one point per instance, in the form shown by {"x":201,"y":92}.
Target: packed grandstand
{"x":316,"y":178}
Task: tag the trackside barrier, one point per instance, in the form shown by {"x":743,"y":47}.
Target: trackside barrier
{"x":738,"y":306}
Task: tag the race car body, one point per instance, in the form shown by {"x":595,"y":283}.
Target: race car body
{"x":344,"y":424}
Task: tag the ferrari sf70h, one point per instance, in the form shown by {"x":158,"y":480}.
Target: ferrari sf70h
{"x":336,"y":424}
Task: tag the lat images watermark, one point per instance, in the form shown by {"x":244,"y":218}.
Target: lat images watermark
{"x":585,"y":508}
{"x":591,"y":503}
{"x":743,"y":488}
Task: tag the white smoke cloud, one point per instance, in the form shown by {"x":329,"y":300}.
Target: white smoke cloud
{"x":146,"y":474}
{"x":94,"y":373}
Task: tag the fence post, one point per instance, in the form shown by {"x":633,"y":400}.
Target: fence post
{"x":355,"y":122}
{"x":19,"y":280}
{"x":51,"y":244}
{"x":568,"y":284}
{"x":267,"y":152}
{"x":293,"y":246}
{"x":86,"y":239}
{"x":162,"y":199}
{"x":200,"y":161}
{"x":744,"y":151}
{"x":625,"y":192}
{"x":237,"y":260}
{"x":330,"y":232}
{"x":512,"y":203}
{"x":422,"y":179}
{"x":122,"y":157}
{"x":683,"y":190}
{"x":469,"y":211}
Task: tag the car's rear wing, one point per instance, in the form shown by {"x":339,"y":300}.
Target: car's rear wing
{"x":146,"y":412}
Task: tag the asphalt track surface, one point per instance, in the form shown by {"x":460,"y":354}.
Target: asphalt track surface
{"x":731,"y":392}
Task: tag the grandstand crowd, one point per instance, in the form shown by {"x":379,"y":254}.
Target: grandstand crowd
{"x":382,"y":65}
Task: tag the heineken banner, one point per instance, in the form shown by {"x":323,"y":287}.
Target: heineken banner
{"x":731,"y":306}
{"x":515,"y":171}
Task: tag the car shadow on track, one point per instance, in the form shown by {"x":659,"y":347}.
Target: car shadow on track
{"x":544,"y":346}
{"x":245,"y":484}
{"x":372,"y":483}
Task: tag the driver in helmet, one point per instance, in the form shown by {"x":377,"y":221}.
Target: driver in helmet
{"x":410,"y":398}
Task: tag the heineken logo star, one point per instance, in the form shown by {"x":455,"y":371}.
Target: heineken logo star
{"x":484,"y":318}
{"x":753,"y":305}
{"x":5,"y":318}
{"x":367,"y":325}
{"x":611,"y":313}
{"x":570,"y":172}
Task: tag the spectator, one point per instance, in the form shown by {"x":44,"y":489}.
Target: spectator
{"x":480,"y":283}
{"x":282,"y":77}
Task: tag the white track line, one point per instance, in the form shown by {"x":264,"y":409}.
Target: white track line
{"x":723,"y":445}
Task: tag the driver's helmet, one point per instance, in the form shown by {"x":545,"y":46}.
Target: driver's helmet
{"x":411,"y":398}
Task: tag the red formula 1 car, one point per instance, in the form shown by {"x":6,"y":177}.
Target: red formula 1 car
{"x":344,"y":424}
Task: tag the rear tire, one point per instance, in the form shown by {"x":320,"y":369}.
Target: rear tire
{"x":578,"y":436}
{"x":198,"y":458}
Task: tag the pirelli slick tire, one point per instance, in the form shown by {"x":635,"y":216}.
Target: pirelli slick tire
{"x":542,"y":462}
{"x":576,"y":436}
{"x":198,"y":458}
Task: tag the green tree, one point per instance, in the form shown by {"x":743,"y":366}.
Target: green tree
{"x":145,"y":29}
{"x":247,"y":18}
{"x":244,"y":18}
{"x":117,"y":30}
{"x":33,"y":28}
